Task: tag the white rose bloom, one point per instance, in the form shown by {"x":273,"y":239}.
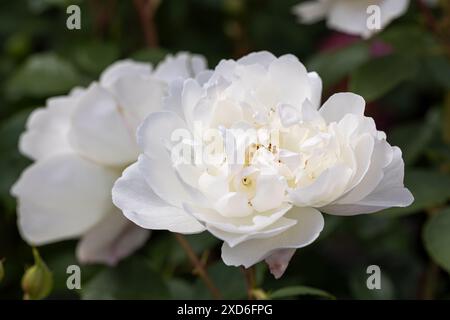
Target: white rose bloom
{"x":80,"y":144}
{"x":303,"y":160}
{"x":350,"y":16}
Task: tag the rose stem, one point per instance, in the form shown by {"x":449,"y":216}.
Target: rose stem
{"x":146,"y":12}
{"x":250,"y":281}
{"x":102,"y":14}
{"x":198,"y":266}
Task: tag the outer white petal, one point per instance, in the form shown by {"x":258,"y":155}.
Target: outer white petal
{"x":340,"y":104}
{"x":175,"y":102}
{"x":124,"y":68}
{"x":224,"y":70}
{"x":110,"y":240}
{"x":61,"y":198}
{"x":311,"y":11}
{"x":138,"y":96}
{"x":263,"y":58}
{"x":100,"y":132}
{"x":159,"y":132}
{"x":172,"y":101}
{"x":316,"y":89}
{"x":47,"y":128}
{"x":141,"y":205}
{"x":381,"y":157}
{"x":190,"y":96}
{"x":241,"y":225}
{"x":291,"y":79}
{"x":388,"y":193}
{"x":310,"y":224}
{"x":156,"y":162}
{"x":362,"y":154}
{"x":183,"y":65}
{"x":164,"y":180}
{"x":233,"y":239}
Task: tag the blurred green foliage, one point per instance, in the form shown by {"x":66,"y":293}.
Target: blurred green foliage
{"x":406,"y":86}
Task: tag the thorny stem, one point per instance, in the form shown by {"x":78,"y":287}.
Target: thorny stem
{"x":198,"y":266}
{"x":146,"y":11}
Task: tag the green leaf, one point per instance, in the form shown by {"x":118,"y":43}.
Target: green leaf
{"x":230,"y":281}
{"x":43,"y":75}
{"x":436,"y":237}
{"x":424,"y":132}
{"x":377,"y":77}
{"x":11,"y":161}
{"x":41,"y":5}
{"x":18,"y":45}
{"x":430,"y":188}
{"x":359,"y":289}
{"x":300,"y":291}
{"x":334,"y":65}
{"x":181,"y":289}
{"x":95,"y":57}
{"x":439,"y":68}
{"x":409,"y":39}
{"x":131,"y":279}
{"x":446,"y":120}
{"x":58,"y":259}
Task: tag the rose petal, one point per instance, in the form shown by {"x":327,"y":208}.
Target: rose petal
{"x":110,"y":240}
{"x":141,"y":205}
{"x":61,"y":198}
{"x":310,"y":224}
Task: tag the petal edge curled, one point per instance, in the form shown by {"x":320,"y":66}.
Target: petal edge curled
{"x":140,"y":204}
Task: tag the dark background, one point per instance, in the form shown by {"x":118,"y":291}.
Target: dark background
{"x":404,"y":74}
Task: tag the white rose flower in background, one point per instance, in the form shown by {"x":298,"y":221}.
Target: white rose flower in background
{"x":80,"y":144}
{"x":303,"y":160}
{"x":349,"y":16}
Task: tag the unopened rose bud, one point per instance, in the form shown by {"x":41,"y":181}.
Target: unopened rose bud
{"x":260,"y":294}
{"x":37,"y":281}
